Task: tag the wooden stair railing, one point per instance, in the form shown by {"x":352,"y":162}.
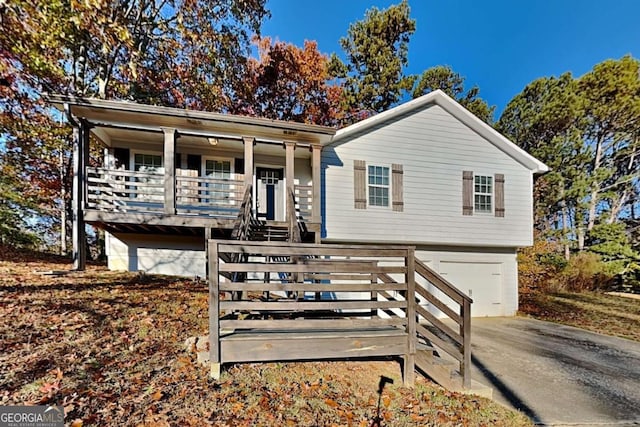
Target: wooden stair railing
{"x":456,"y":343}
{"x":242,"y":231}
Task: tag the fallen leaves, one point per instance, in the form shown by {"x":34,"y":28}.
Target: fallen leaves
{"x":108,"y":347}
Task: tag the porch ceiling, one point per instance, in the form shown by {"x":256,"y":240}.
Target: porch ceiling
{"x":111,"y":136}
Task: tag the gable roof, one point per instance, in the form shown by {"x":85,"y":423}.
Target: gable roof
{"x":441,"y":99}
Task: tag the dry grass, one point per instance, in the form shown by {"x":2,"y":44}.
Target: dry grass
{"x":593,"y":311}
{"x":109,"y":348}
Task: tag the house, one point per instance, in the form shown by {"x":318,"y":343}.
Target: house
{"x":426,"y":173}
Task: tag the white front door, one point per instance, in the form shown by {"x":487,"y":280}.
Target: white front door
{"x":270,"y":193}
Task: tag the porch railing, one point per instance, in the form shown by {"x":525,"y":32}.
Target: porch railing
{"x":304,"y":201}
{"x":144,"y":192}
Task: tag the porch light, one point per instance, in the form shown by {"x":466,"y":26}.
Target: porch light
{"x":213,"y":141}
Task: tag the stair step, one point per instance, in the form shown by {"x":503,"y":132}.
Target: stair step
{"x":445,"y":373}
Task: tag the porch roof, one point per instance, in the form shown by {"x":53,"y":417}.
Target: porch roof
{"x":111,"y":113}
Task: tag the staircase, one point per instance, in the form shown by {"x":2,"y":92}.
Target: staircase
{"x":444,"y":371}
{"x":269,"y":231}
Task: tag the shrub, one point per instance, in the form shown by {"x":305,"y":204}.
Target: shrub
{"x":540,"y":264}
{"x":585,"y":271}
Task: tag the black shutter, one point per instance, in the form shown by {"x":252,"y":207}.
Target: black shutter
{"x":122,"y":157}
{"x":194,"y":162}
{"x":238,"y":166}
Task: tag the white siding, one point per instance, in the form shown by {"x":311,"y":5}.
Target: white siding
{"x":173,"y":255}
{"x":434,"y":149}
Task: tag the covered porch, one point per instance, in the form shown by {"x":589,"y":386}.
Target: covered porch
{"x":172,"y":171}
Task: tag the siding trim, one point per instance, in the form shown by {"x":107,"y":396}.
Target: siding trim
{"x":360,"y":184}
{"x":467,"y":192}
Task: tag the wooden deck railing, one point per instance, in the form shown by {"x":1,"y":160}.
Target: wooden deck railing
{"x":310,"y":301}
{"x":242,"y":228}
{"x":136,"y":191}
{"x":461,"y":347}
{"x":123,"y":190}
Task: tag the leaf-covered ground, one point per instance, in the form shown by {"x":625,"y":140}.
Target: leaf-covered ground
{"x":593,"y":311}
{"x":110,"y":348}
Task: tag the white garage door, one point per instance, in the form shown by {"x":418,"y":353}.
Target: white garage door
{"x":481,"y":281}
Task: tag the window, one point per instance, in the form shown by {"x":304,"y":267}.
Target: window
{"x":378,"y":186}
{"x":217,"y":168}
{"x":219,"y":191}
{"x":150,"y":178}
{"x":147,"y":162}
{"x":483,"y":193}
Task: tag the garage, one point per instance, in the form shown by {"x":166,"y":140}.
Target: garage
{"x":481,"y":281}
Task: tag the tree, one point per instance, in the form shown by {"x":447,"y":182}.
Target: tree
{"x":172,"y":52}
{"x":444,"y":78}
{"x":289,"y":83}
{"x":376,"y":51}
{"x":612,"y":125}
{"x":544,"y":119}
{"x":586,"y":130}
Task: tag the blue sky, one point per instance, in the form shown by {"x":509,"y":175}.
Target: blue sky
{"x":499,"y":45}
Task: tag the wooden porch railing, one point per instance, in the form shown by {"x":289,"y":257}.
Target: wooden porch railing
{"x":310,"y":301}
{"x":282,"y":319}
{"x":304,"y":201}
{"x":242,"y":228}
{"x":135,"y":191}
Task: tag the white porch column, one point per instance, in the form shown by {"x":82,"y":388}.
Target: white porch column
{"x":169,"y":170}
{"x":249,"y":142}
{"x":316,"y":150}
{"x":290,"y":172}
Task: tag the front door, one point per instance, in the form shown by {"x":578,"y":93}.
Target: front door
{"x":270,"y":194}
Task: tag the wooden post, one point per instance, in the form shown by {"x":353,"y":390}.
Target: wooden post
{"x":249,"y":142}
{"x":465,"y":331}
{"x":316,"y":149}
{"x":214,"y":309}
{"x":169,"y":170}
{"x":410,"y":357}
{"x":80,"y":153}
{"x":290,"y":172}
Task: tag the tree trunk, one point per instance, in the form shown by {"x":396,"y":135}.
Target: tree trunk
{"x":593,"y":202}
{"x":616,"y":207}
{"x":565,"y":231}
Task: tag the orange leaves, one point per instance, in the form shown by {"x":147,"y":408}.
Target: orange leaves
{"x":331,"y":403}
{"x":288,"y":82}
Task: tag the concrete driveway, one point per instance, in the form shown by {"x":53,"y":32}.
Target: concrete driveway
{"x":558,"y":375}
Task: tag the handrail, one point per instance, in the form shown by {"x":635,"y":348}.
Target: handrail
{"x":441,"y":283}
{"x":461,"y":350}
{"x":295,"y":235}
{"x":242,"y":226}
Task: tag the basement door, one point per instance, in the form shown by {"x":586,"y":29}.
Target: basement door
{"x":481,"y":281}
{"x":270,"y":193}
